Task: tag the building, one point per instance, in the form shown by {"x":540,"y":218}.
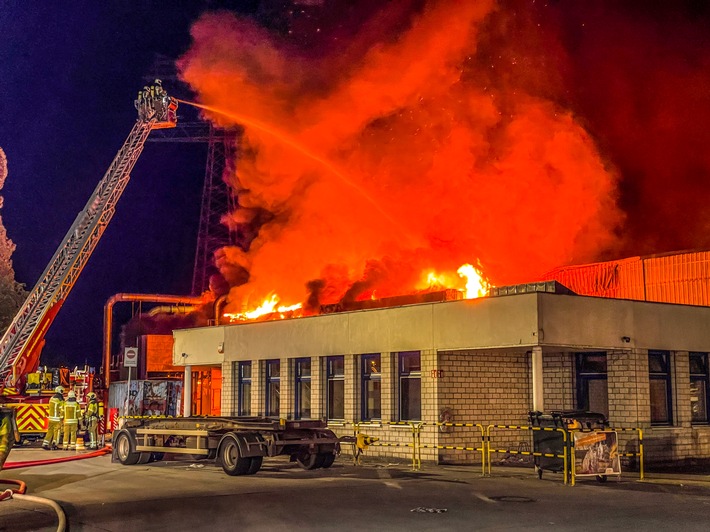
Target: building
{"x":480,"y":361}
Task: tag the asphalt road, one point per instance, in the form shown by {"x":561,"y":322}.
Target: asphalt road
{"x":98,"y":495}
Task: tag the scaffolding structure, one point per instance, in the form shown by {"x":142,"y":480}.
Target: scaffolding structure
{"x":218,"y":199}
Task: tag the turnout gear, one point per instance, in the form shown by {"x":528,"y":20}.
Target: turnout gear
{"x":91,"y":418}
{"x":72,"y":414}
{"x":54,"y":420}
{"x":8,"y":433}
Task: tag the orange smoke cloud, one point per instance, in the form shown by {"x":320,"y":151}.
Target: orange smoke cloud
{"x":393,"y":154}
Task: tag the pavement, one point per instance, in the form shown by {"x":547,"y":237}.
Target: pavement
{"x":98,"y":495}
{"x":685,"y":477}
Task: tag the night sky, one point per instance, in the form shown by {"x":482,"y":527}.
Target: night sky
{"x":68,"y":78}
{"x":634,"y":76}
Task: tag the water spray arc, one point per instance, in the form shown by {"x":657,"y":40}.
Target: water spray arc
{"x":305,"y":151}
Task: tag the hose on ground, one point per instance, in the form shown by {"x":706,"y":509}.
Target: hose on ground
{"x":62,"y":519}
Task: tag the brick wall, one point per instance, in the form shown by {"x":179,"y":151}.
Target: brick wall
{"x":558,"y":381}
{"x":229,"y":389}
{"x":485,"y":388}
{"x":489,"y":388}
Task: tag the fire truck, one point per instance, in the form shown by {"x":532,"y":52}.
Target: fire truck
{"x":24,"y":385}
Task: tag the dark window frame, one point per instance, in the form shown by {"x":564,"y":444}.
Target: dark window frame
{"x":271,"y":381}
{"x":367,"y":377}
{"x":662,"y":376}
{"x":333,"y":377}
{"x":701,"y":376}
{"x":586,"y":372}
{"x":405,"y":375}
{"x":241,"y":381}
{"x":301,"y":378}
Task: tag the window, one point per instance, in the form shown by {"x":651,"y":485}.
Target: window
{"x":659,"y":375}
{"x":410,"y":386}
{"x":699,"y":387}
{"x":335,"y":374}
{"x":592,"y":390}
{"x":244,"y":389}
{"x":273,"y":387}
{"x":303,"y":388}
{"x":371,"y":388}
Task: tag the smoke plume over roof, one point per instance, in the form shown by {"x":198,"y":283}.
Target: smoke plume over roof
{"x":407,"y":136}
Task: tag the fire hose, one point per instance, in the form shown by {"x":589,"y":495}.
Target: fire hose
{"x":19,"y":494}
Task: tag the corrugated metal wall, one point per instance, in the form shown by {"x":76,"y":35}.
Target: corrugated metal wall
{"x":682,"y":278}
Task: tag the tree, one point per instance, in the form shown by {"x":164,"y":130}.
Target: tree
{"x":12,"y":293}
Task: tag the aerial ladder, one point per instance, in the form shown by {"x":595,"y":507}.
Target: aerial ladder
{"x":22,"y":343}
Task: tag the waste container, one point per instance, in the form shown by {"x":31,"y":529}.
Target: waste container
{"x":553,"y":441}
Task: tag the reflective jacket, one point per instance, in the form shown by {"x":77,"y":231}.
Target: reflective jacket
{"x":56,"y":407}
{"x":92,"y":409}
{"x":72,"y":411}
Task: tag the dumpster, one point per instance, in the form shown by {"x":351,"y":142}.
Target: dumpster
{"x":553,"y":441}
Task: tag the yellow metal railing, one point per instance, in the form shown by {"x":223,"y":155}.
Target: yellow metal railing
{"x":565,"y":451}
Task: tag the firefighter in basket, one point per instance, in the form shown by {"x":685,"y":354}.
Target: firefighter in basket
{"x":91,"y":420}
{"x":54,"y":420}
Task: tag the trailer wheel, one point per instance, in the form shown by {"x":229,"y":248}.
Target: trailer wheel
{"x":328,"y":459}
{"x":232,"y":463}
{"x":124,"y":451}
{"x":157,"y":457}
{"x":310,"y":461}
{"x":255,"y":465}
{"x":144,"y":458}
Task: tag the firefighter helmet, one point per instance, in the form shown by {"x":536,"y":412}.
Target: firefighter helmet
{"x":71,"y":394}
{"x":91,"y":395}
{"x":59,"y":389}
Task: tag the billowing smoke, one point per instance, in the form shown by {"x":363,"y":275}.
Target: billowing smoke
{"x":408,"y":135}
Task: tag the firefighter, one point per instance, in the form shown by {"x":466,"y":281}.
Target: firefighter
{"x":72,"y":413}
{"x":91,"y":418}
{"x":54,"y":420}
{"x":8,"y":433}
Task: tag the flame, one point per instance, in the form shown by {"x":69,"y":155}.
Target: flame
{"x":476,"y":284}
{"x":399,"y":149}
{"x":268,"y":307}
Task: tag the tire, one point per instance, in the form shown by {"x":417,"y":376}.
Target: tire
{"x":124,"y":449}
{"x":232,"y":462}
{"x":328,"y":459}
{"x":144,"y":458}
{"x":157,"y":457}
{"x":309,"y":461}
{"x":255,"y":465}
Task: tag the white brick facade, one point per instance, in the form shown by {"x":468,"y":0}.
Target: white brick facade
{"x":476,"y":366}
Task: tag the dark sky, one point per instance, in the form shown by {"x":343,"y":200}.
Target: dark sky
{"x":634,"y":74}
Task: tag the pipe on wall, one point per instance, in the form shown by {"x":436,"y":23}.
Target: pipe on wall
{"x":143,"y":298}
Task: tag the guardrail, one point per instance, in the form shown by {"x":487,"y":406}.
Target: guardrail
{"x":481,"y":449}
{"x":565,"y":447}
{"x":488,"y":444}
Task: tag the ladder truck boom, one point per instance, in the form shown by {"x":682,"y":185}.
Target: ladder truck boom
{"x":22,"y":342}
